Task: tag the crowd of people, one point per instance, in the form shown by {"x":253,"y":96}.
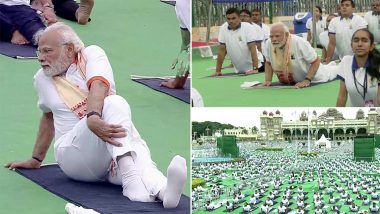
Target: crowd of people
{"x":284,"y":182}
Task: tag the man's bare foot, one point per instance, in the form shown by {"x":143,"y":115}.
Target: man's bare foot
{"x":18,"y":38}
{"x":84,"y":11}
{"x":176,"y":83}
{"x":172,"y":83}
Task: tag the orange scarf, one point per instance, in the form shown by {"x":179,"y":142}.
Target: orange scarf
{"x":74,"y":97}
{"x":282,"y":63}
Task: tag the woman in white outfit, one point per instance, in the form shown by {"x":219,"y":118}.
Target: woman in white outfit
{"x":359,"y":74}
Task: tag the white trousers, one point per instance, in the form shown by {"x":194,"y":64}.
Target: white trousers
{"x":84,"y":156}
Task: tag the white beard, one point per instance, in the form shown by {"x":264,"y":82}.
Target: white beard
{"x":278,"y":45}
{"x":59,"y":67}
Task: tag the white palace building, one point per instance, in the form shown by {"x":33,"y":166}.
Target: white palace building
{"x":331,"y":124}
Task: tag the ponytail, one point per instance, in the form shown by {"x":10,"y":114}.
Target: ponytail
{"x":374,"y":64}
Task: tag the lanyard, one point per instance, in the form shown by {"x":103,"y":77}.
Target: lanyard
{"x":364,"y":85}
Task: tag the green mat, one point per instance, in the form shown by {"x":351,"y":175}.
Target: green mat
{"x":139,"y":37}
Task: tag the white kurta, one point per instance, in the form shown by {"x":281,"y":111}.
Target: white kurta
{"x":237,"y":41}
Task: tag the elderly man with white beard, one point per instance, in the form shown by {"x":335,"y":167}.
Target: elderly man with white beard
{"x":92,"y":127}
{"x":293,"y":60}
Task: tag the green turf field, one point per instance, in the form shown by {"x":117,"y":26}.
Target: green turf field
{"x":229,"y":180}
{"x":139,"y":37}
{"x":226,"y":92}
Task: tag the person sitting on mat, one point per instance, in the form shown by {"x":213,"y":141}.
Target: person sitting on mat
{"x":182,"y":63}
{"x":238,"y":39}
{"x":374,"y":207}
{"x":68,"y":9}
{"x":354,"y":208}
{"x":293,"y":60}
{"x":95,"y":138}
{"x":359,"y":74}
{"x":20,"y":24}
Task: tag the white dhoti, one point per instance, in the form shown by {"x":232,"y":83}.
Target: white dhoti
{"x":84,"y":156}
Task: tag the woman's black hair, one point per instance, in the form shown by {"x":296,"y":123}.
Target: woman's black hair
{"x":319,"y":9}
{"x":373,"y":56}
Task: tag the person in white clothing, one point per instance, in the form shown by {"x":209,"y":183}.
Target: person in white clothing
{"x":373,"y":20}
{"x":245,"y":16}
{"x":238,"y":39}
{"x":359,"y":74}
{"x":76,"y":94}
{"x":257,"y":19}
{"x":293,"y":60}
{"x":320,"y":25}
{"x":324,"y":39}
{"x":342,"y":28}
{"x":182,"y":63}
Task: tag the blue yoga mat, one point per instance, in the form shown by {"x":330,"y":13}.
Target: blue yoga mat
{"x":154,"y":83}
{"x":172,"y":3}
{"x":18,"y":51}
{"x":103,"y":197}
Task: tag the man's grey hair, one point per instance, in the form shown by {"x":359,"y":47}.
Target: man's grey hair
{"x":67,"y":34}
{"x":282,"y":25}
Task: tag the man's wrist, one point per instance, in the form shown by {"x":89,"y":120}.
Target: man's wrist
{"x":308,"y":79}
{"x":93,"y":113}
{"x":37,"y":159}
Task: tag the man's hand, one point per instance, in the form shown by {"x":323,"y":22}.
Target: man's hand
{"x":28,"y":164}
{"x":267,"y":83}
{"x":303,"y":84}
{"x":251,"y":72}
{"x":106,"y":132}
{"x":49,"y":15}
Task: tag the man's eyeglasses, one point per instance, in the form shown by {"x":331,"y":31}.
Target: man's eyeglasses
{"x":46,"y":51}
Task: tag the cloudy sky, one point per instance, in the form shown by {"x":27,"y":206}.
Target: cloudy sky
{"x":249,"y":117}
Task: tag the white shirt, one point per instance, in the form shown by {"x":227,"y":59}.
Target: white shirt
{"x":237,"y":41}
{"x":303,"y":55}
{"x":49,"y":99}
{"x":282,"y":209}
{"x":346,"y":74}
{"x":182,"y":9}
{"x":343,"y":30}
{"x":247,"y":208}
{"x":320,"y":27}
{"x":266,"y":33}
{"x":373,"y":25}
{"x":15,"y":2}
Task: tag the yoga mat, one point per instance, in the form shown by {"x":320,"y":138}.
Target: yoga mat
{"x":103,"y":197}
{"x":278,"y":85}
{"x":226,"y":75}
{"x":155,"y":84}
{"x":172,"y":3}
{"x":18,"y":51}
